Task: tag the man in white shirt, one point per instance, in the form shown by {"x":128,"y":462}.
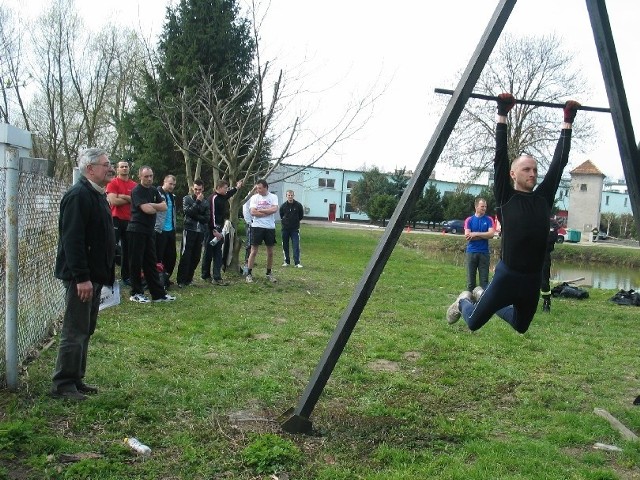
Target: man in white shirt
{"x":263,"y":206}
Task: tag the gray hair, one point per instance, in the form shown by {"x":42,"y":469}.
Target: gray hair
{"x":89,"y":156}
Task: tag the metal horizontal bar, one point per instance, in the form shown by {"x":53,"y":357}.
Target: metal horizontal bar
{"x":527,"y":102}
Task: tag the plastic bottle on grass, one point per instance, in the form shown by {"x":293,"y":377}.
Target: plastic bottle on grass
{"x":137,"y":446}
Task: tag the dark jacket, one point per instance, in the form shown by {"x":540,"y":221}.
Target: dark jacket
{"x":196,"y":214}
{"x":219,"y":208}
{"x":87,"y":245}
{"x":291,"y":214}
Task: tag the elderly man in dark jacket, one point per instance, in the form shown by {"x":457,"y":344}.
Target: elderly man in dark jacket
{"x":85,"y":262}
{"x":291,"y":212}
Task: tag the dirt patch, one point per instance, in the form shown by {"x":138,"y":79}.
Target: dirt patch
{"x":412,"y":356}
{"x":261,"y":336}
{"x":382,"y":365}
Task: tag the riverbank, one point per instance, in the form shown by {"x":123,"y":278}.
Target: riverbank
{"x":609,"y":252}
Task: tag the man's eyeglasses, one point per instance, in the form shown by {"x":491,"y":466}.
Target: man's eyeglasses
{"x":106,"y":165}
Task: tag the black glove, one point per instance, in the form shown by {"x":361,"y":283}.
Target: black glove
{"x":570,"y":109}
{"x":506,"y":101}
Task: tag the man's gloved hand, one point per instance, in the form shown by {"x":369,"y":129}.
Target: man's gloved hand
{"x":506,"y":101}
{"x":570,"y":109}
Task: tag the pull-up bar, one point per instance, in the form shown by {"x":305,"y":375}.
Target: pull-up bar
{"x":527,"y":102}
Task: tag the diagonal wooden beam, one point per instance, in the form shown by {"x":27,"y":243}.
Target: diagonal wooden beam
{"x":296,"y":420}
{"x":610,"y":66}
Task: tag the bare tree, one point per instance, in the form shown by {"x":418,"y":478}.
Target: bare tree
{"x":532,"y":68}
{"x":248,"y":132}
{"x":13,"y":77}
{"x":85,"y":84}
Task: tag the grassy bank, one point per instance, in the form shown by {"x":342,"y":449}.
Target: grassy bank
{"x":201,"y":381}
{"x":602,"y":252}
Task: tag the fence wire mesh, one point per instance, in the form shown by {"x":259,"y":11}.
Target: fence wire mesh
{"x":40,"y":294}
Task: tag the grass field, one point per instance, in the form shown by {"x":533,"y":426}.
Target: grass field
{"x":203,"y":380}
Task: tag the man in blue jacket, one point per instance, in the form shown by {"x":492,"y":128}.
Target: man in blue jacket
{"x":85,"y":262}
{"x":478,"y":229}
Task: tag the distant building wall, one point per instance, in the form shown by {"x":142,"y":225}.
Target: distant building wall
{"x":317,"y":189}
{"x":584,"y":202}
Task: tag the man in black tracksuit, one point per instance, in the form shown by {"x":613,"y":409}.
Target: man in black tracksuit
{"x":545,"y":286}
{"x":196,"y":219}
{"x":291,"y":212}
{"x":514,"y":291}
{"x":219,"y":212}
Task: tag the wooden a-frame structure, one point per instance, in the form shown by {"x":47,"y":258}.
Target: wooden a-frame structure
{"x":296,"y":420}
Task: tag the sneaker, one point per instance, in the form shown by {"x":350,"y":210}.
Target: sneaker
{"x":139,"y":298}
{"x":166,"y":298}
{"x":285,"y":264}
{"x":271,"y":278}
{"x":220,"y":283}
{"x":453,"y":312}
{"x":298,"y":265}
{"x":477,"y":293}
{"x":249,"y":278}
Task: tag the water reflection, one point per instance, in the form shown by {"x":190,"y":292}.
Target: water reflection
{"x":597,"y":276}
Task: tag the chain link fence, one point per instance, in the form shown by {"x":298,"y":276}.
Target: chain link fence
{"x":40,"y":294}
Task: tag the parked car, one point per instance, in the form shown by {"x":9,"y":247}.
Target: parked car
{"x":453,"y":226}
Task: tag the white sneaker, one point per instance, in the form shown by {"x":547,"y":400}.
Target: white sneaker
{"x":166,"y":298}
{"x":298,"y":265}
{"x":285,"y":264}
{"x":477,"y":293}
{"x":271,"y":278}
{"x":453,"y":312}
{"x":249,"y":278}
{"x":139,"y":298}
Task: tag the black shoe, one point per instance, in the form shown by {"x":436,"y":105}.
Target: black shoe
{"x":546,"y":304}
{"x":87,"y":389}
{"x":637,"y":400}
{"x":72,"y":395}
{"x":220,"y":282}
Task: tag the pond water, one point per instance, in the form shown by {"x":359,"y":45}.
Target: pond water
{"x":595,"y":275}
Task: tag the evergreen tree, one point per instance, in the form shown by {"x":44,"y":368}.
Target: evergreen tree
{"x":381,"y":207}
{"x":372,"y":183}
{"x":458,"y":206}
{"x":399,"y":182}
{"x":431,"y":205}
{"x":201,"y":39}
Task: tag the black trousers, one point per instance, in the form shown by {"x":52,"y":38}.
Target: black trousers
{"x":142,"y":257}
{"x":166,"y":250}
{"x":120,"y":228}
{"x":190,"y":250}
{"x":79,"y":323}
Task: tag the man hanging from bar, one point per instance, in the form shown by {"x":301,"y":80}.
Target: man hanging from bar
{"x":514,"y":291}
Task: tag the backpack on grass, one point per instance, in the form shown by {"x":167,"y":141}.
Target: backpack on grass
{"x":567,"y":291}
{"x":626,"y":297}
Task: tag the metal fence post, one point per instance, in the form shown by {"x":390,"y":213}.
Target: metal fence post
{"x":11,"y":167}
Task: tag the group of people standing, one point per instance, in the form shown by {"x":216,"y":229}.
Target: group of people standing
{"x":106,"y":209}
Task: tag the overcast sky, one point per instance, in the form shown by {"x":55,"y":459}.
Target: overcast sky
{"x":411,"y":47}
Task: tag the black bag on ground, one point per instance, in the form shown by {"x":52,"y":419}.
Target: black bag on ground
{"x":626,"y":297}
{"x":567,"y":291}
